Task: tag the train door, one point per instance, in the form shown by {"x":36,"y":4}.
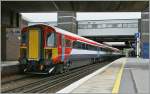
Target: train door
{"x":63,"y":48}
{"x":68,"y":45}
{"x":33,"y":45}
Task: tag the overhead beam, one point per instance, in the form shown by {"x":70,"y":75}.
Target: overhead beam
{"x":55,"y":5}
{"x":77,"y":6}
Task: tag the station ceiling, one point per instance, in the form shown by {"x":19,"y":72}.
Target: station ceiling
{"x":77,"y":6}
{"x":127,"y":39}
{"x":113,"y":38}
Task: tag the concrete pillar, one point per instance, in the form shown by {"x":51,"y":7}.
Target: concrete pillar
{"x":3,"y":42}
{"x":10,"y":32}
{"x":67,"y":21}
{"x":145,"y":33}
{"x":5,"y":23}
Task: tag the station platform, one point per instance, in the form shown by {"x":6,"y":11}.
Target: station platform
{"x":124,"y":75}
{"x":9,"y":63}
{"x":9,"y":68}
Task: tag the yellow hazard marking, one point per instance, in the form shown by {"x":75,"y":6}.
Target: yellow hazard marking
{"x":116,"y":86}
{"x":54,"y":52}
{"x":20,"y":51}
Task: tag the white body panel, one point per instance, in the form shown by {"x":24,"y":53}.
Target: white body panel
{"x":80,"y":51}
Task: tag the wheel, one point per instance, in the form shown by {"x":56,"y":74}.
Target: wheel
{"x":67,"y":66}
{"x":59,"y":68}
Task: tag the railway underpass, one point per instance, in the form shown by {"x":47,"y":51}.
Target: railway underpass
{"x":126,"y":74}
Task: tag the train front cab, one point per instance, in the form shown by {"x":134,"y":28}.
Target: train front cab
{"x":38,"y":50}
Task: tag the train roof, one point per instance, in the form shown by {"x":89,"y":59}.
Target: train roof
{"x":82,"y":39}
{"x":79,"y":38}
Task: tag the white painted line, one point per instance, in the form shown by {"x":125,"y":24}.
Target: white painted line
{"x":76,"y":84}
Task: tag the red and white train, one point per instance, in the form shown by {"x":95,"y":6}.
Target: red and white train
{"x":46,"y":49}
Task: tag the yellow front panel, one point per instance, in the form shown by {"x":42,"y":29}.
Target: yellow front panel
{"x":54,"y":52}
{"x":33,"y":45}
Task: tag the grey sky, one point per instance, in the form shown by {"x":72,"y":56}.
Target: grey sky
{"x":46,"y":17}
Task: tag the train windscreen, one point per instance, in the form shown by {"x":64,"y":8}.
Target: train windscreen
{"x":51,"y":39}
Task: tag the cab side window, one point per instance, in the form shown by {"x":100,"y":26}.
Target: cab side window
{"x":24,"y":37}
{"x":75,"y":44}
{"x":51,"y":39}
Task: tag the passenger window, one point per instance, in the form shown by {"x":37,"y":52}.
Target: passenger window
{"x":51,"y":39}
{"x":67,"y":43}
{"x":79,"y":45}
{"x":83,"y":46}
{"x":75,"y":45}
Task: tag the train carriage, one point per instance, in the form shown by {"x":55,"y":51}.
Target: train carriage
{"x":47,"y":49}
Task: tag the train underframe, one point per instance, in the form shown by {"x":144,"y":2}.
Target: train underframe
{"x":61,"y":67}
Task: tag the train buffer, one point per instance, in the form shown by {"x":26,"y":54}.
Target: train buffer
{"x":124,"y":75}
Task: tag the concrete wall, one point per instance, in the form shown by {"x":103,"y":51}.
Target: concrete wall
{"x":12,"y":43}
{"x":10,"y":22}
{"x":5,"y":23}
{"x":145,"y":33}
{"x":67,"y":21}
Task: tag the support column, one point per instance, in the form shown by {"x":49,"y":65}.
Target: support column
{"x":67,"y":21}
{"x":145,"y":33}
{"x":10,"y":34}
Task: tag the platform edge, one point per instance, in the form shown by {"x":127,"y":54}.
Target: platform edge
{"x":116,"y":85}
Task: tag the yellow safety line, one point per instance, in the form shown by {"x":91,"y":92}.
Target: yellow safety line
{"x":116,"y":86}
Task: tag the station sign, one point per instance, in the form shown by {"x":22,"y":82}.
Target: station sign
{"x":137,"y":35}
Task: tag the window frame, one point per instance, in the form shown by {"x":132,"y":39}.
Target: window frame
{"x":70,"y":43}
{"x":55,"y":39}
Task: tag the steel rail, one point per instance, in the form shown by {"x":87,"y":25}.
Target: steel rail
{"x":37,"y":82}
{"x":43,"y":87}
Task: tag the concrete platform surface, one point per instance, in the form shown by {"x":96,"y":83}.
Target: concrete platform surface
{"x":101,"y":82}
{"x":132,"y":73}
{"x":9,"y":68}
{"x":135,"y":78}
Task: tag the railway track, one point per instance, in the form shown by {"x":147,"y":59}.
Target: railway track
{"x":63,"y":82}
{"x":54,"y":83}
{"x":18,"y":81}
